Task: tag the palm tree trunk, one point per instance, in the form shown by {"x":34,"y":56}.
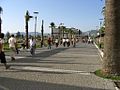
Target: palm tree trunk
{"x":52,"y":32}
{"x":63,"y":33}
{"x":0,"y":24}
{"x":0,"y":17}
{"x":111,"y":60}
{"x":27,"y":35}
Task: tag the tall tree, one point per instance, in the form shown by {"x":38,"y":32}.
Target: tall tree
{"x":52,"y":25}
{"x":18,"y":34}
{"x":8,"y":35}
{"x":111,"y":60}
{"x":63,"y":30}
{"x":27,"y":18}
{"x":0,"y":17}
{"x":42,"y":34}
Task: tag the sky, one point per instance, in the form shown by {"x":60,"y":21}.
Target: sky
{"x":80,"y":14}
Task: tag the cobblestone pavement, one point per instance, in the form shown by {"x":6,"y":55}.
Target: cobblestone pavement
{"x":60,"y":68}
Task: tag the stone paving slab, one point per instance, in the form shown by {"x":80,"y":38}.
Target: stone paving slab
{"x":74,"y":80}
{"x":47,"y":70}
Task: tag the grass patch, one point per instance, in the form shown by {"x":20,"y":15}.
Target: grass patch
{"x":112,"y":77}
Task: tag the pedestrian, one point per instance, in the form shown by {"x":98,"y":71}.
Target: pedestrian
{"x":12,"y":46}
{"x":61,"y":41}
{"x":2,"y":54}
{"x":64,"y":41}
{"x":68,"y":42}
{"x":49,"y":43}
{"x":74,"y":42}
{"x":56,"y":42}
{"x":32,"y":46}
{"x":23,"y":44}
{"x":16,"y":47}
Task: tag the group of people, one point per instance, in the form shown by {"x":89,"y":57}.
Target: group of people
{"x":32,"y":43}
{"x":88,"y":40}
{"x":65,"y":42}
{"x":13,"y":48}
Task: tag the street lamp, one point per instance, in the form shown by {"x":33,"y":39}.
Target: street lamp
{"x":35,"y":22}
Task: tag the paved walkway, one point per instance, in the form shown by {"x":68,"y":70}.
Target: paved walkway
{"x":56,"y":69}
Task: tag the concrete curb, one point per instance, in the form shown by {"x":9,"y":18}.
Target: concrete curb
{"x":100,"y":51}
{"x":101,"y":54}
{"x":116,"y":86}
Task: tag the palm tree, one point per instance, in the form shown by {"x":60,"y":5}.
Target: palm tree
{"x":0,"y":17}
{"x":59,"y":32}
{"x":103,"y":10}
{"x":111,"y":59}
{"x":63,"y":30}
{"x":71,"y":33}
{"x":52,"y":25}
{"x":67,"y":32}
{"x":27,"y":18}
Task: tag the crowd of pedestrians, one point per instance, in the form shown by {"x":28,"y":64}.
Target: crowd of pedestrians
{"x":65,"y":42}
{"x":88,"y":40}
{"x":13,"y":45}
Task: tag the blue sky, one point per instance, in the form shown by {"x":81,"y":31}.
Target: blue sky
{"x":81,"y":14}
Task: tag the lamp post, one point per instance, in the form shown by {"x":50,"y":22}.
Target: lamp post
{"x":35,"y":22}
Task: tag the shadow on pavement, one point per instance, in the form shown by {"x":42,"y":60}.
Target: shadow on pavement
{"x":49,"y":53}
{"x":44,"y":54}
{"x":16,"y":84}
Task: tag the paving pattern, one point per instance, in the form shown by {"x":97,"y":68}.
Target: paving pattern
{"x":60,"y":68}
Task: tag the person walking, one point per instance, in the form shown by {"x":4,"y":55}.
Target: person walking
{"x":49,"y":43}
{"x":64,"y":41}
{"x":74,"y":42}
{"x":16,"y":47}
{"x":2,"y":54}
{"x":32,"y":46}
{"x":12,"y":46}
{"x":56,"y":42}
{"x":68,"y":42}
